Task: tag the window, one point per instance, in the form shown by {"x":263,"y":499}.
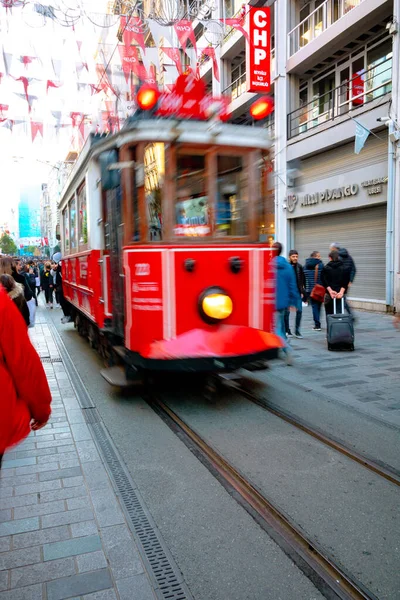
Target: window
{"x":231,"y":217}
{"x":238,"y":78}
{"x":66,"y":229}
{"x":154,"y":171}
{"x":72,"y":221}
{"x":191,"y":210}
{"x":379,"y":78}
{"x":83,"y":230}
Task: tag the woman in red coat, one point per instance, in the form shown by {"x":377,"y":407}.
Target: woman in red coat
{"x":23,"y":406}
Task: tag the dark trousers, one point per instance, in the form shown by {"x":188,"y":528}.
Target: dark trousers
{"x":48,"y":292}
{"x":65,"y":305}
{"x":316,"y":312}
{"x":1,"y":459}
{"x":299,"y":313}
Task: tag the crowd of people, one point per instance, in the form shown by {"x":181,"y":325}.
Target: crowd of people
{"x":24,"y":280}
{"x":314,"y":284}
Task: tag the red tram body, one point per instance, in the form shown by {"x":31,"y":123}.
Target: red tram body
{"x":162,"y":259}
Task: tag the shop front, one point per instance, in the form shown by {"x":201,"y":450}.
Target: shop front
{"x":348,"y":206}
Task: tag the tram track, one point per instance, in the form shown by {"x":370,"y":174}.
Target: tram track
{"x":383,"y":470}
{"x":331,"y":580}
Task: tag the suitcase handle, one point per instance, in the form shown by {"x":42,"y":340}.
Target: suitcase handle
{"x":334,"y":306}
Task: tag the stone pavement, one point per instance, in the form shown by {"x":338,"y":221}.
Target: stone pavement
{"x":62,"y":531}
{"x":367,"y":379}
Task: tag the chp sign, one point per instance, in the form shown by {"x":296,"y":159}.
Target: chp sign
{"x":258,"y":54}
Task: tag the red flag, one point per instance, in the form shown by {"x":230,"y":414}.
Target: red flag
{"x":94,"y":89}
{"x":25,"y":83}
{"x":132,"y":31}
{"x":36,"y":128}
{"x":130,"y":62}
{"x":52,"y":84}
{"x":174,"y":54}
{"x":211,"y":53}
{"x":104,"y":81}
{"x":3,"y":108}
{"x":237,"y":24}
{"x":27,"y":60}
{"x":184,"y":31}
{"x":75,"y":116}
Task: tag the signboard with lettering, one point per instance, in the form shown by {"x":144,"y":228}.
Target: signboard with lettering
{"x":258,"y":53}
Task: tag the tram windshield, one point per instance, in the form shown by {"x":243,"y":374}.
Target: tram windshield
{"x":231,"y":209}
{"x":191,"y":209}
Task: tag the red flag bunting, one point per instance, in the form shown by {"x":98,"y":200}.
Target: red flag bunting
{"x":237,"y":24}
{"x":3,"y":108}
{"x":132,"y":29}
{"x":104,"y":81}
{"x":184,"y":31}
{"x":25,"y":83}
{"x":211,"y":53}
{"x":130,"y":62}
{"x":174,"y":54}
{"x":27,"y":60}
{"x":36,"y":128}
{"x":52,"y":84}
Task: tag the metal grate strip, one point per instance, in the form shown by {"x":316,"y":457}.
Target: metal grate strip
{"x":165,"y":574}
{"x":47,"y":359}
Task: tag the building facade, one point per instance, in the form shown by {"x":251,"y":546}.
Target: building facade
{"x":334,"y":63}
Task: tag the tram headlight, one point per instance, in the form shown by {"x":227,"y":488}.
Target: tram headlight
{"x":215,"y":305}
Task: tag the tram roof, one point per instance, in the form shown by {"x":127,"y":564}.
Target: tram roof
{"x":166,"y":130}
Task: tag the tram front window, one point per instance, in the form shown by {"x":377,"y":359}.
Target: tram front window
{"x":231,"y":213}
{"x":154,"y":171}
{"x":191,"y":209}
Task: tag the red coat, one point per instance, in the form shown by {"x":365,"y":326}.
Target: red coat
{"x":24,"y":391}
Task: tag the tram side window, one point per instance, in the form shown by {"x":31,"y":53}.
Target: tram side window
{"x":66,"y":230}
{"x":72,"y":221}
{"x":154,"y":173}
{"x":191,"y":210}
{"x":83,"y":229}
{"x":231,"y":213}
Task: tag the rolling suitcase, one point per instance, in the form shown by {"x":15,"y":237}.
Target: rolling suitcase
{"x":340,"y":329}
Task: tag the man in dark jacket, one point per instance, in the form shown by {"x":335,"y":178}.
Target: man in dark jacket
{"x":18,"y":272}
{"x":335,"y":278}
{"x":348,"y":264}
{"x":300,"y":283}
{"x":312,"y":272}
{"x":286,"y":296}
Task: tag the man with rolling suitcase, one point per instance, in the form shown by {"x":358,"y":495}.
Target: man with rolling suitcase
{"x":340,"y":329}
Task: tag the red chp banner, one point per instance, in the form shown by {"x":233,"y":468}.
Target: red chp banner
{"x":258,"y":54}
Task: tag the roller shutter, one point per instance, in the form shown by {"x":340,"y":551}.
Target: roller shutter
{"x":362,"y":232}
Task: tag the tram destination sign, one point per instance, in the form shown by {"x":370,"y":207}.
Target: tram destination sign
{"x":258,"y":53}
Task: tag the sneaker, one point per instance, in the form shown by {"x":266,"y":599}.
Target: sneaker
{"x":298,"y":335}
{"x":66,"y":320}
{"x":304,"y":303}
{"x":289,"y":359}
{"x":316,"y":329}
{"x":289,"y":334}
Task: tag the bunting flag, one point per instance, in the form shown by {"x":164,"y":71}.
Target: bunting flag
{"x":237,"y":24}
{"x":184,"y":30}
{"x":94,"y":89}
{"x":52,"y":84}
{"x":7,"y":124}
{"x":27,"y":60}
{"x":175,"y":55}
{"x":36,"y":127}
{"x":25,"y":82}
{"x":104,"y":80}
{"x":3,"y":108}
{"x":159,"y":32}
{"x":131,"y":63}
{"x":132,"y":31}
{"x":210,"y":52}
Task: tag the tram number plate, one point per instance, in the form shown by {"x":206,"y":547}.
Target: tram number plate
{"x":142,"y":269}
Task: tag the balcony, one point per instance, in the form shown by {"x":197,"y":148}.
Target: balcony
{"x":364,"y":87}
{"x":318,"y":21}
{"x":238,"y":86}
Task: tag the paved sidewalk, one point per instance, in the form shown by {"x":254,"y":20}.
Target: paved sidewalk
{"x":62,"y":531}
{"x":367,"y":379}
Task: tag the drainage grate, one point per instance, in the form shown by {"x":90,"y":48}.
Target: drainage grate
{"x":47,"y":359}
{"x":166,"y":575}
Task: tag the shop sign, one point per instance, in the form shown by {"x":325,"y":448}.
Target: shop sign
{"x":258,"y":54}
{"x":373,"y":186}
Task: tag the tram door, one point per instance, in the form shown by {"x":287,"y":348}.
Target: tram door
{"x":113,"y":232}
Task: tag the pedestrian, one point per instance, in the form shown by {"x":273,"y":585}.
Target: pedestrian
{"x":25,"y":393}
{"x":300,"y":285}
{"x":32,"y":282}
{"x":37,"y":284}
{"x":312,"y":273}
{"x":53,"y":272}
{"x":349,"y":264}
{"x":65,"y":305}
{"x":335,"y":278}
{"x":286,"y":297}
{"x":47,"y":284}
{"x":18,"y":272}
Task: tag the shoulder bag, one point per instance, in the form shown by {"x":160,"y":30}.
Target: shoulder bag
{"x":318,"y":291}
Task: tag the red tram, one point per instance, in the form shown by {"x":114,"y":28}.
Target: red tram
{"x":162,"y":258}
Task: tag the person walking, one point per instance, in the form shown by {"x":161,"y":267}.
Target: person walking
{"x":24,"y":407}
{"x":312,"y":273}
{"x":47,"y":285}
{"x":335,"y":278}
{"x":286,"y":296}
{"x":65,"y":305}
{"x":18,"y":273}
{"x":349,"y":264}
{"x":300,"y":284}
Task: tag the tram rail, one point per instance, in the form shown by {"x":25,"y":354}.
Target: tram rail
{"x":328,"y":577}
{"x":381,"y":469}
